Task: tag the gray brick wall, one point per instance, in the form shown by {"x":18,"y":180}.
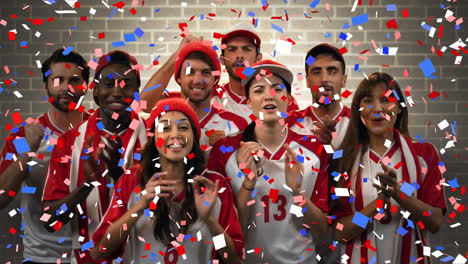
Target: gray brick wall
{"x":161,"y":29}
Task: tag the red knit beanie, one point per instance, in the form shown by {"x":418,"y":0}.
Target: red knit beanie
{"x":201,"y":47}
{"x":174,"y":104}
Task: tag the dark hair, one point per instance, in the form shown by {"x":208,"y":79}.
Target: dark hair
{"x":328,"y":50}
{"x":247,"y":85}
{"x":72,"y":57}
{"x":119,"y":57}
{"x":198,"y":55}
{"x":249,"y":135}
{"x":357,"y":134}
{"x":149,"y":159}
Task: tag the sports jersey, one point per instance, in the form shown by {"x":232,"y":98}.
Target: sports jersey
{"x":273,"y":233}
{"x":302,"y":122}
{"x":66,"y":174}
{"x":395,"y":241}
{"x":194,"y":247}
{"x":39,"y":244}
{"x":230,"y":101}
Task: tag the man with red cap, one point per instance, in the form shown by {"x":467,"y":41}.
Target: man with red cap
{"x":193,"y":71}
{"x":325,"y":74}
{"x":26,"y":154}
{"x":240,"y":48}
{"x":78,"y":186}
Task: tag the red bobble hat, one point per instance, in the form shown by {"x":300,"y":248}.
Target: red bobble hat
{"x":174,"y":104}
{"x":201,"y":47}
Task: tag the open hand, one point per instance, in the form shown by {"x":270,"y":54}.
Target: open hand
{"x":293,"y":170}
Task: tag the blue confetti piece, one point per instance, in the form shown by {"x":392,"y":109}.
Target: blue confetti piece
{"x":28,"y":189}
{"x":314,"y":3}
{"x":138,"y":32}
{"x":385,"y":50}
{"x":277,"y":28}
{"x":129,"y":37}
{"x":110,"y":185}
{"x":118,"y":260}
{"x":157,"y":10}
{"x":426,"y":27}
{"x":391,"y":7}
{"x":396,"y":95}
{"x":100,"y":125}
{"x":300,"y":158}
{"x":310,"y":60}
{"x":351,"y":199}
{"x":334,"y":197}
{"x":265,"y":177}
{"x":23,"y":44}
{"x":338,"y":154}
{"x":206,"y":203}
{"x":60,"y":240}
{"x":361,"y":19}
{"x":225,"y":149}
{"x":202,"y":16}
{"x":402,"y":231}
{"x":9,"y":156}
{"x":388,"y":35}
{"x":360,"y":220}
{"x":407,"y":188}
{"x":327,"y":35}
{"x":452,"y":127}
{"x":67,"y":51}
{"x":252,"y":14}
{"x":427,"y":68}
{"x":410,"y":223}
{"x":373,"y":260}
{"x":151,"y":88}
{"x":303,"y":232}
{"x":255,"y":23}
{"x":343,"y":36}
{"x":87,"y":245}
{"x":118,"y":44}
{"x":284,"y":115}
{"x":121,"y":162}
{"x":453,"y":183}
{"x":446,"y":259}
{"x":253,"y":193}
{"x":147,"y":212}
{"x":137,"y":156}
{"x":63,"y":207}
{"x":356,"y":67}
{"x":21,"y":145}
{"x":112,"y":13}
{"x":335,"y":174}
{"x":346,"y":26}
{"x":248,"y":71}
{"x":457,"y":27}
{"x":1,"y":89}
{"x":50,"y":2}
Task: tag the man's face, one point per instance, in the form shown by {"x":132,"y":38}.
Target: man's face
{"x":238,"y":50}
{"x":115,"y":90}
{"x":65,"y":85}
{"x":196,"y":80}
{"x":325,"y":78}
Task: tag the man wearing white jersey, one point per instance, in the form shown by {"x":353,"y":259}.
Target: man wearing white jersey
{"x":240,"y":48}
{"x":327,"y":117}
{"x":26,"y":154}
{"x":193,"y":71}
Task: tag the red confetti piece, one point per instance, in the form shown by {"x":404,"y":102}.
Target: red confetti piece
{"x":392,"y":24}
{"x":11,"y":193}
{"x":211,"y":14}
{"x":101,"y":35}
{"x":8,"y":127}
{"x":346,"y":94}
{"x":50,"y":19}
{"x":57,"y":226}
{"x":439,"y":53}
{"x":83,"y":18}
{"x":217,"y":35}
{"x":14,"y":16}
{"x":363,"y":52}
{"x":36,"y":21}
{"x":405,"y":12}
{"x":190,"y":156}
{"x":160,"y":142}
{"x":133,"y":11}
{"x":77,"y":4}
{"x":433,"y":95}
{"x":441,"y":31}
{"x":12,"y":231}
{"x":17,"y":119}
{"x":119,"y":5}
{"x":152,"y":205}
{"x":147,"y":246}
{"x":274,"y":195}
{"x":265,"y":6}
{"x":191,"y":18}
{"x":421,"y":225}
{"x":11,"y":35}
{"x":420,"y":43}
{"x":343,"y":50}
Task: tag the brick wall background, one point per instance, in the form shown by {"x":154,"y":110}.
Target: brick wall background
{"x":159,"y":20}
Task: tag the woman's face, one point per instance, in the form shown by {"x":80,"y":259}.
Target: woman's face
{"x":173,"y":136}
{"x":379,"y":111}
{"x":267,"y":98}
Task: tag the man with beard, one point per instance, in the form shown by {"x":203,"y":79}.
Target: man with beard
{"x":193,"y":72}
{"x":325,"y":75}
{"x":90,"y":158}
{"x":26,"y":154}
{"x":240,"y":48}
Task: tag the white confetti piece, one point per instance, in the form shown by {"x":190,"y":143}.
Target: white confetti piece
{"x":342,"y":192}
{"x":219,"y":241}
{"x":443,"y":124}
{"x":18,"y":94}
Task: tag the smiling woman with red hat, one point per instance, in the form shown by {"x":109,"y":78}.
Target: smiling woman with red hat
{"x":170,"y":201}
{"x":278,"y":177}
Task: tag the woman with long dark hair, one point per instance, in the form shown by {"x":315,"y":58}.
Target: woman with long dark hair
{"x":395,"y":182}
{"x":169,"y":208}
{"x":279,"y":177}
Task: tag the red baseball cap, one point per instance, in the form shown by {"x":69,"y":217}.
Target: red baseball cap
{"x":117,"y":57}
{"x":273,"y":67}
{"x":201,"y":47}
{"x":242,"y":30}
